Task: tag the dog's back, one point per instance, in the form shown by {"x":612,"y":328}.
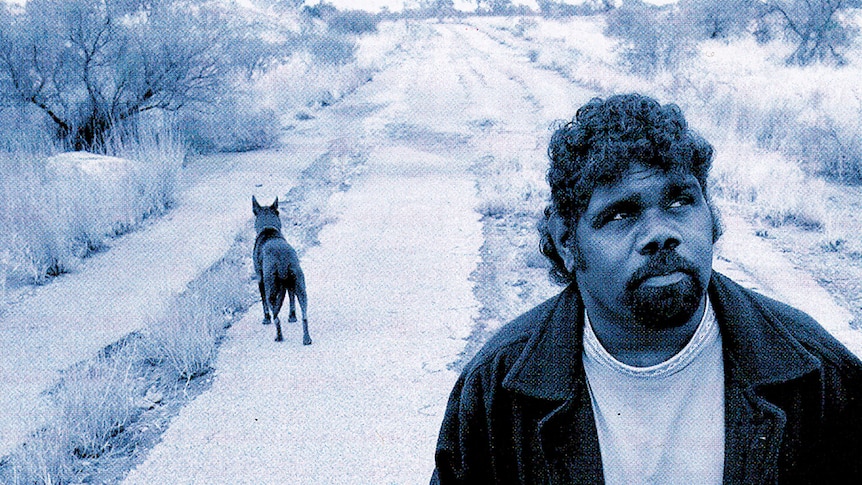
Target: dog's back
{"x":274,"y":256}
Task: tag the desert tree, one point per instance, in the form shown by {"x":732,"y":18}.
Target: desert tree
{"x":90,"y":64}
{"x":720,"y":19}
{"x":814,"y":26}
{"x":560,"y":8}
{"x":438,"y":8}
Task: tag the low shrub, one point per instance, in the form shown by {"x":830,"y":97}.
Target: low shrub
{"x":768,"y":186}
{"x":331,"y":50}
{"x":508,"y":187}
{"x":651,"y":39}
{"x":560,"y":9}
{"x":233,"y":125}
{"x":831,"y":149}
{"x":354,"y":22}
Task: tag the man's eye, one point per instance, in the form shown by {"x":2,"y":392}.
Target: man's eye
{"x":619,"y":216}
{"x":680,"y":201}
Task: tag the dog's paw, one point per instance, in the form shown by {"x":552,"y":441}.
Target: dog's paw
{"x":306,"y":341}
{"x":292,"y":319}
{"x":267,"y":321}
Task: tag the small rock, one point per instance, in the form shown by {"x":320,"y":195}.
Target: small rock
{"x":151,"y":398}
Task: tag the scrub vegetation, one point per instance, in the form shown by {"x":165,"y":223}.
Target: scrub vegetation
{"x":789,"y":157}
{"x":107,"y":411}
{"x":146,"y":83}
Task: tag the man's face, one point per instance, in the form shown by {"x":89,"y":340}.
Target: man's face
{"x":646,"y":247}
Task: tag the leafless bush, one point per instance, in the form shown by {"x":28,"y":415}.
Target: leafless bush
{"x":814,"y":26}
{"x":87,"y":64}
{"x":719,"y":19}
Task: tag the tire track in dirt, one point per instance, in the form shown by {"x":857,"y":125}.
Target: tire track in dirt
{"x":390,"y":305}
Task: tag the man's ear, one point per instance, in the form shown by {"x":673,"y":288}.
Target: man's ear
{"x":561,"y":234}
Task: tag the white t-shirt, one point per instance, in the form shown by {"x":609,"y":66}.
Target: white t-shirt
{"x":662,"y":424}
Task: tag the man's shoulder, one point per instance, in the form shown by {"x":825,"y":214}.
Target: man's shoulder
{"x":810,"y":333}
{"x":507,"y":344}
{"x":801,"y":327}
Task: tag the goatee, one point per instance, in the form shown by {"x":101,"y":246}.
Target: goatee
{"x":666,"y":306}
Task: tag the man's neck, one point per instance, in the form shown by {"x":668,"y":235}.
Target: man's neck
{"x":636,"y":345}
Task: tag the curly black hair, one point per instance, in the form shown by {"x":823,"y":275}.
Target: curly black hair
{"x":599,"y":145}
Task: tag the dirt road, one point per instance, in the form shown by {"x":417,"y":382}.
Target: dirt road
{"x":391,"y":297}
{"x":390,"y":292}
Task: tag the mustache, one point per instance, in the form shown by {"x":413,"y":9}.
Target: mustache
{"x":661,"y":263}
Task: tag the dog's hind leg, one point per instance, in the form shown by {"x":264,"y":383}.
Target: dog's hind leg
{"x":264,"y":302}
{"x":291,"y":291}
{"x":276,"y":300}
{"x":303,"y":305}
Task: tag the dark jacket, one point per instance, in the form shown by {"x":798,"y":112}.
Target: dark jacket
{"x":521,"y":411}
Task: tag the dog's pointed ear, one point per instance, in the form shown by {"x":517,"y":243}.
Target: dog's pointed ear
{"x":255,"y":207}
{"x":275,"y":204}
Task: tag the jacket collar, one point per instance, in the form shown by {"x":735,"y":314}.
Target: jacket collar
{"x":758,"y":345}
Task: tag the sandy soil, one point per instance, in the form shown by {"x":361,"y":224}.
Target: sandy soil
{"x":406,"y":282}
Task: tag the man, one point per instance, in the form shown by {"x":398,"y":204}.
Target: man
{"x":649,"y":367}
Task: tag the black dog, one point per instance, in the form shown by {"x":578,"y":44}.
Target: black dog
{"x":277,"y":268}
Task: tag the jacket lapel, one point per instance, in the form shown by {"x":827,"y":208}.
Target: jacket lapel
{"x":551,"y":369}
{"x":758,"y":353}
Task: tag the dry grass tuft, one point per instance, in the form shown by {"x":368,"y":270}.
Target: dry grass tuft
{"x":93,"y":404}
{"x":97,"y":400}
{"x":55,"y":210}
{"x":185,"y":337}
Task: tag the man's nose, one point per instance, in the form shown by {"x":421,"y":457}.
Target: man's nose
{"x":659,"y":234}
